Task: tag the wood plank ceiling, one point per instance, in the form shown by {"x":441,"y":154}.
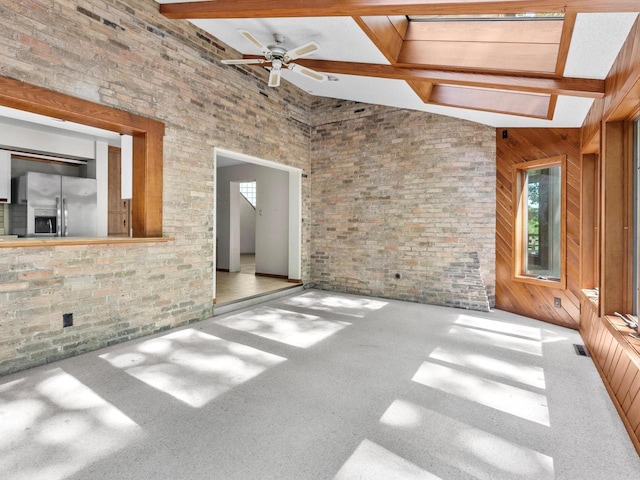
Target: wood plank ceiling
{"x":502,"y":66}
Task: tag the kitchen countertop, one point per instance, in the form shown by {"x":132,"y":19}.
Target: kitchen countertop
{"x":15,"y":242}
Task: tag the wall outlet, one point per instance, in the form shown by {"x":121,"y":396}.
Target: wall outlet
{"x":557,"y":302}
{"x":67,"y":320}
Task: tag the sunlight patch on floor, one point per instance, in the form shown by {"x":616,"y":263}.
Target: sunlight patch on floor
{"x":500,"y":327}
{"x":291,"y":328}
{"x":192,"y":366}
{"x":373,"y":462}
{"x":505,"y":398}
{"x":508,"y":369}
{"x":354,"y":307}
{"x":509,"y":342}
{"x":469,"y":449}
{"x":52,"y":426}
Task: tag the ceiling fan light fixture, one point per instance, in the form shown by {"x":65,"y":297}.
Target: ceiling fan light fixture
{"x":279,"y":57}
{"x":254,"y":40}
{"x":274,"y":77}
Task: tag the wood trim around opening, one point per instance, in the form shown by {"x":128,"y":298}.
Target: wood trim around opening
{"x":271,"y":275}
{"x":147,"y":142}
{"x":517,"y":239}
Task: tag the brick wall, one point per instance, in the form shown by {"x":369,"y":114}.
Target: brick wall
{"x":395,"y":191}
{"x":403,"y":192}
{"x":125,"y":54}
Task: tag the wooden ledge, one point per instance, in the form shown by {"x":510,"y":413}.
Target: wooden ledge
{"x":61,"y":242}
{"x":620,"y":332}
{"x":591,"y":295}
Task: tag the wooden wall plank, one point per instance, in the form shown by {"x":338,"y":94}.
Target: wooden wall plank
{"x":622,"y":86}
{"x":588,"y":221}
{"x":617,"y":361}
{"x":523,"y":145}
{"x":615,"y":217}
{"x":627,"y":381}
{"x":619,"y":374}
{"x":614,"y":358}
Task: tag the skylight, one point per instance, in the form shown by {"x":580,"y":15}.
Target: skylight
{"x":486,"y":17}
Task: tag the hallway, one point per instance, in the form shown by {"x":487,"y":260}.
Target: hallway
{"x":232,"y":287}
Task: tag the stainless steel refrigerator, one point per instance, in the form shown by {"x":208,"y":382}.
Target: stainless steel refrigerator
{"x":54,"y":206}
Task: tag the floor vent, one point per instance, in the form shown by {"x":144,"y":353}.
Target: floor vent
{"x":580,"y":350}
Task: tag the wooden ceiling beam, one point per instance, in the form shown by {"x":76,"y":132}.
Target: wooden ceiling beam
{"x":383,"y":32}
{"x":576,"y":87}
{"x":423,"y":89}
{"x":349,"y":8}
{"x":565,"y":42}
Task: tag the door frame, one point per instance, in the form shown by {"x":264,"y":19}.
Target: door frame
{"x":294,"y":271}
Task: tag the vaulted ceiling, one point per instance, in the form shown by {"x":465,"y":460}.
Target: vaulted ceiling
{"x":504,"y":63}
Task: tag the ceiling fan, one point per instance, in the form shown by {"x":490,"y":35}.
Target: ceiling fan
{"x":277,"y":57}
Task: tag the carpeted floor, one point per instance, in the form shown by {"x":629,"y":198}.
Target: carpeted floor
{"x":321,"y":385}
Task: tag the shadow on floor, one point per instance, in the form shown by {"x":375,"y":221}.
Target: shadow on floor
{"x":321,"y":386}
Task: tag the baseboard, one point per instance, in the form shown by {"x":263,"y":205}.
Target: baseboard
{"x":271,"y":275}
{"x":294,"y":280}
{"x":222,"y":270}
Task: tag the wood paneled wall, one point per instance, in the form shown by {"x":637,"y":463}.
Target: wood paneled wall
{"x":523,"y":145}
{"x":617,"y":358}
{"x":606,"y":133}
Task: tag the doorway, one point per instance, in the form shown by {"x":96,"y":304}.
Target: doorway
{"x":275,"y":263}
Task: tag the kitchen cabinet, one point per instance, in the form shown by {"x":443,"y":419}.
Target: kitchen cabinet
{"x":119,"y":209}
{"x":5,"y":177}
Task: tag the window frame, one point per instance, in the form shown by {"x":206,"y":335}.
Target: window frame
{"x":636,"y":217}
{"x":148,"y":134}
{"x":520,"y":208}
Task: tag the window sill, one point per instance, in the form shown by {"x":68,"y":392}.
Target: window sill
{"x":592,"y":295}
{"x":58,"y":242}
{"x":557,"y":284}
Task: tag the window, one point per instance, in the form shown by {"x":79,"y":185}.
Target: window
{"x":487,"y":16}
{"x":539,"y":225}
{"x":636,"y":226}
{"x":248,"y":190}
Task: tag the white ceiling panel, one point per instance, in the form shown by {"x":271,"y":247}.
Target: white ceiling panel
{"x":597,"y":39}
{"x":340,"y":38}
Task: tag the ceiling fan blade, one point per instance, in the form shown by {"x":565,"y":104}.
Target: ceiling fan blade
{"x":244,"y":61}
{"x":254,"y":40}
{"x":274,"y":77}
{"x":307,"y":72}
{"x":302,"y":51}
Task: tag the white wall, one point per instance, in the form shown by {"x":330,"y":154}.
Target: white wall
{"x":272,"y":217}
{"x":247,"y":226}
{"x":101,"y":166}
{"x":38,"y":141}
